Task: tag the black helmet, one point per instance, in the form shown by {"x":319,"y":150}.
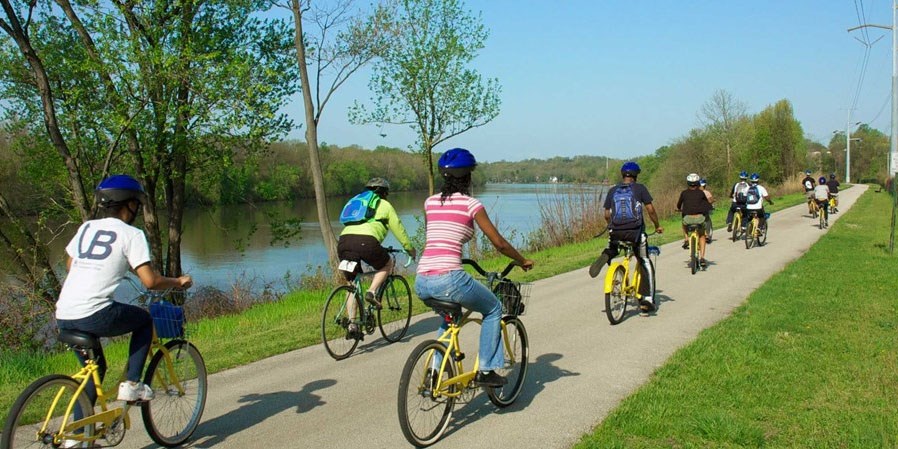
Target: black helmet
{"x":119,"y":189}
{"x":456,"y":162}
{"x":378,"y":183}
{"x":832,"y":176}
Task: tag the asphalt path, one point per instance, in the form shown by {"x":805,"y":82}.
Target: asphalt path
{"x":580,"y":366}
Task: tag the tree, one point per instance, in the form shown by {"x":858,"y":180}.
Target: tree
{"x":355,"y":42}
{"x":423,"y":79}
{"x":721,"y":114}
{"x":182,"y":85}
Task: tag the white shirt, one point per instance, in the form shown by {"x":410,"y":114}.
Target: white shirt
{"x":821,"y":192}
{"x":762,"y":192}
{"x":102,"y":252}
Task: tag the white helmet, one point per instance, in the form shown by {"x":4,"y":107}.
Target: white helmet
{"x":692,"y":179}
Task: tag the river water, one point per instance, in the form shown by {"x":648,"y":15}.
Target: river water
{"x":228,"y":243}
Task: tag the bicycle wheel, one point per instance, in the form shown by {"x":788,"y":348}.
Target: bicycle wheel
{"x":29,"y":414}
{"x":396,"y":309}
{"x":709,"y":229}
{"x":616,"y":301}
{"x":737,"y":227}
{"x":179,"y":382}
{"x":693,"y":254}
{"x":423,"y":412}
{"x":335,"y":322}
{"x":515,"y":370}
{"x":749,"y":234}
{"x":762,"y":235}
{"x":822,"y":220}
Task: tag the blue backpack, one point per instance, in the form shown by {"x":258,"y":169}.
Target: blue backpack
{"x":753,"y":196}
{"x":360,"y":208}
{"x":626,"y":211}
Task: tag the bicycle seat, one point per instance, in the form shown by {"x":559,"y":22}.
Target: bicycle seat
{"x":452,"y":308}
{"x":79,"y":339}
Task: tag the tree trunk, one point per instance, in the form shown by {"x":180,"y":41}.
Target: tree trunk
{"x":14,"y":29}
{"x":428,"y":160}
{"x":327,"y":233}
{"x":38,"y":270}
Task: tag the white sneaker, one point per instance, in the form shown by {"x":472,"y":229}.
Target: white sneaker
{"x":139,"y":391}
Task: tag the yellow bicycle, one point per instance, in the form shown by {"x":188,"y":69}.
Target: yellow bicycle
{"x":738,"y":228}
{"x":55,"y":411}
{"x":694,"y":260}
{"x":434,"y":377}
{"x":833,"y":204}
{"x":755,"y":234}
{"x":622,"y":283}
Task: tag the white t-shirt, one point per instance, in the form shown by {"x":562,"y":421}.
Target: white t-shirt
{"x":102,"y":253}
{"x":762,"y":192}
{"x":821,"y":192}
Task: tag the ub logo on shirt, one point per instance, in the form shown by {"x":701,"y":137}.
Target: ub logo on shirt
{"x":102,"y":241}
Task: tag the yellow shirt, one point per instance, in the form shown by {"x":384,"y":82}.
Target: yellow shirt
{"x":384,"y":218}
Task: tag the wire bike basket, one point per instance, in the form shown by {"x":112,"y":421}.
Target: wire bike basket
{"x":513,"y":295}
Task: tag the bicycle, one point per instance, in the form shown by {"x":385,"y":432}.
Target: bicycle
{"x":694,"y":260}
{"x":55,"y":411}
{"x":434,"y":378}
{"x":621,"y":286}
{"x":755,"y":234}
{"x":823,"y":216}
{"x":738,"y":229}
{"x":345,"y":306}
{"x":833,"y":204}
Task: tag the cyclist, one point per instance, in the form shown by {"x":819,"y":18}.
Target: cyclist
{"x":756,"y":196}
{"x":833,"y":185}
{"x":738,"y":195}
{"x":821,"y":195}
{"x":703,"y":184}
{"x":450,"y":216}
{"x":99,"y":255}
{"x":808,"y":183}
{"x":361,"y":242}
{"x":623,"y":213}
{"x":694,"y":205}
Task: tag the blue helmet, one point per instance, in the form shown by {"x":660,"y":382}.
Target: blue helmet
{"x":119,"y":189}
{"x":456,"y":162}
{"x":807,"y":172}
{"x":703,"y":182}
{"x":630,"y":169}
{"x":743,"y":174}
{"x":822,"y":180}
{"x":755,"y":177}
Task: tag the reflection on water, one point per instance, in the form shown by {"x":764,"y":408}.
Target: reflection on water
{"x":223,"y":243}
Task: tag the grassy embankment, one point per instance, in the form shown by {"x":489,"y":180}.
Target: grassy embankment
{"x":293,"y":322}
{"x":808,"y":361}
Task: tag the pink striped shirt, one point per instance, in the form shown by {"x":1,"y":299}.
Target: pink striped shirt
{"x":449,"y":226}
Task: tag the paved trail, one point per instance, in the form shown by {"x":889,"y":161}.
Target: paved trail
{"x":580,"y":369}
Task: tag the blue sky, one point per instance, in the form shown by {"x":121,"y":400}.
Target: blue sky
{"x":622,"y":78}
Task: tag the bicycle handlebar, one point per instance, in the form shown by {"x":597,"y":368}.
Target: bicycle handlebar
{"x":485,"y":273}
{"x":152,"y":294}
{"x":408,"y":258}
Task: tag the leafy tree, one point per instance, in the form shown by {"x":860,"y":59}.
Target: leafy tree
{"x":423,"y":78}
{"x":339,"y":45}
{"x":721,"y":115}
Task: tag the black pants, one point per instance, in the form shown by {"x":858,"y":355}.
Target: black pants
{"x":733,"y":208}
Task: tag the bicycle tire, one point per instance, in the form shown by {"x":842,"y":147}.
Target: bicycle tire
{"x":709,"y":229}
{"x":737,"y":227}
{"x":822,"y":220}
{"x":29,"y":412}
{"x":693,"y":254}
{"x":615,"y":301}
{"x":515,"y":369}
{"x":749,"y":235}
{"x":762,"y":235}
{"x":396,"y":308}
{"x":335,"y":323}
{"x":173,"y":415}
{"x":416,"y":401}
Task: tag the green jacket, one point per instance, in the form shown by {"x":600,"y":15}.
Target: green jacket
{"x":384,"y":218}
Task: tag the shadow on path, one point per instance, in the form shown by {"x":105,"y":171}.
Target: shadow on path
{"x":255,"y":409}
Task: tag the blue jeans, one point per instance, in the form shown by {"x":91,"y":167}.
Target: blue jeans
{"x":458,"y":286}
{"x":117,"y":319}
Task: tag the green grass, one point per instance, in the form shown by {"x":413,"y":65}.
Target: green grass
{"x":294,"y":322}
{"x":808,"y":361}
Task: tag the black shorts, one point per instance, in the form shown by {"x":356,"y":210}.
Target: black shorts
{"x":361,"y":248}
